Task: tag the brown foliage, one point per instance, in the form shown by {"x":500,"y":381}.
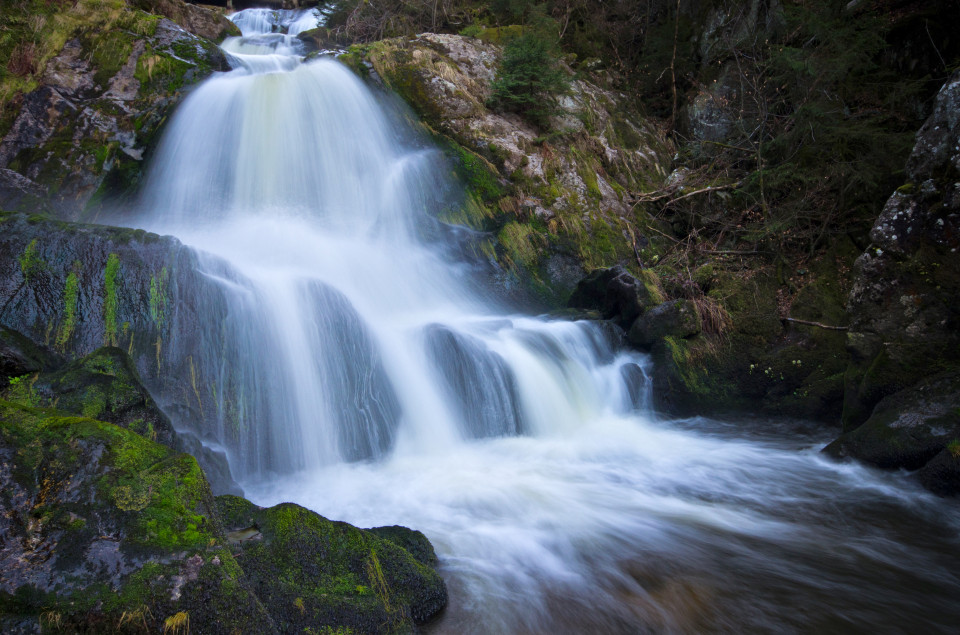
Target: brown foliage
{"x":23,"y":60}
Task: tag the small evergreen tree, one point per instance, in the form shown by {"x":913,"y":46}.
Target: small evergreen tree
{"x":530,"y":79}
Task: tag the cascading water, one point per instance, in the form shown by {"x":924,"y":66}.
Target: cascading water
{"x":353,"y":366}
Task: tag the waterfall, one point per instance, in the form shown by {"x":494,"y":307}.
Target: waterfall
{"x":348,"y":328}
{"x":347,"y":356}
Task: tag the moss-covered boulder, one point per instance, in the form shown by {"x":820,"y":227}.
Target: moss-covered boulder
{"x":314,"y":573}
{"x":915,"y":428}
{"x":676,"y":318}
{"x":78,"y":120}
{"x":557,"y":202}
{"x":106,"y":530}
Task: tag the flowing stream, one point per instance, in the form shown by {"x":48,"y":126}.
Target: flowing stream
{"x":362,"y":370}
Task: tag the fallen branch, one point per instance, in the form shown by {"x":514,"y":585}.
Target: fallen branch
{"x":642,"y":198}
{"x":817,"y":324}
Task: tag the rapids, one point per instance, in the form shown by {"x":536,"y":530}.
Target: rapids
{"x":363,"y":370}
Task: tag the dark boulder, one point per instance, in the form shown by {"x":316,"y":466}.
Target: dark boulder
{"x":676,"y":318}
{"x":20,"y":356}
{"x":617,"y":294}
{"x":916,"y":428}
{"x":413,"y":541}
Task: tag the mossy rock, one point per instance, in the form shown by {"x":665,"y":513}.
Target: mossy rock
{"x":909,"y":429}
{"x":126,"y":67}
{"x":311,"y":572}
{"x":676,"y":318}
{"x":411,"y":540}
{"x":109,"y":530}
{"x":105,"y":386}
{"x":759,"y":362}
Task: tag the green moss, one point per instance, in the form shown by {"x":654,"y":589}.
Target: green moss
{"x":160,"y":71}
{"x":627,"y":137}
{"x":21,"y":391}
{"x":158,"y":297}
{"x":684,"y":367}
{"x":520,"y":244}
{"x":31,"y":264}
{"x":354,"y":57}
{"x":71,"y":293}
{"x":110,"y":299}
{"x":394,"y":62}
{"x":478,"y":174}
{"x":108,"y":52}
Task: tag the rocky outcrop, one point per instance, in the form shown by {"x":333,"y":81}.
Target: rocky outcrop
{"x":201,"y":21}
{"x":80,"y":136}
{"x":71,"y":289}
{"x":104,"y":530}
{"x":905,"y":321}
{"x":557,"y":201}
{"x":20,"y":356}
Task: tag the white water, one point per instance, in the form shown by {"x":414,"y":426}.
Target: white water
{"x":360,"y":371}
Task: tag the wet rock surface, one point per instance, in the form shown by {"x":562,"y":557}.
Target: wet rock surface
{"x":617,"y":294}
{"x":905,"y":319}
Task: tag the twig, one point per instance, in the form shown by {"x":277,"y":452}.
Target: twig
{"x":817,"y":324}
{"x":641,"y":198}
